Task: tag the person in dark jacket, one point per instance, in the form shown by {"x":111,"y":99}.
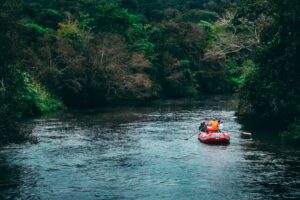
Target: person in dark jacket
{"x":202,"y":127}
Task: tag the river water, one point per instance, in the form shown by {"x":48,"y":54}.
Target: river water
{"x":139,"y":152}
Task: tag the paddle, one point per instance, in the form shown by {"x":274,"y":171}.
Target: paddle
{"x":190,"y":136}
{"x":247,"y":134}
{"x":242,"y":132}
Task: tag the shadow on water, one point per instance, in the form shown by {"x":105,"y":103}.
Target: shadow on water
{"x":13,"y":176}
{"x":9,"y":179}
{"x":275,"y":170}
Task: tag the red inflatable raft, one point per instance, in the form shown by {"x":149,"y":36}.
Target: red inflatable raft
{"x":214,"y":137}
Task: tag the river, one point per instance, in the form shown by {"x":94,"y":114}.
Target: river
{"x":139,"y":152}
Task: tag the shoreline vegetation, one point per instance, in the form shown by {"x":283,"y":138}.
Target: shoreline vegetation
{"x":59,"y":54}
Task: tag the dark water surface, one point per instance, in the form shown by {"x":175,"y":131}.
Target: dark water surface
{"x":139,"y":152}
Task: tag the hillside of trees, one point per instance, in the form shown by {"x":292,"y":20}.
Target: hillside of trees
{"x":73,"y":53}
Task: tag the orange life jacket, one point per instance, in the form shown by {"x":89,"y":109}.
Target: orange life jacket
{"x":214,"y":125}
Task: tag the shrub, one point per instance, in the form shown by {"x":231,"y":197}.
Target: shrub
{"x":237,"y":73}
{"x":49,"y":18}
{"x":37,"y":28}
{"x":31,"y":98}
{"x":69,"y":30}
{"x":108,"y":17}
{"x":144,"y":46}
{"x":293,"y":133}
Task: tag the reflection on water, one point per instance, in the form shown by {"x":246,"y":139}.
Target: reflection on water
{"x":139,"y":152}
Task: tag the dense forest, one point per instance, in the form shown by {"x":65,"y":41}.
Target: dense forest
{"x":73,"y":53}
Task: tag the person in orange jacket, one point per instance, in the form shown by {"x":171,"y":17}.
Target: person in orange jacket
{"x":213,"y":125}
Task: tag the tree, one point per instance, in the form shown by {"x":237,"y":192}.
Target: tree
{"x":271,"y":91}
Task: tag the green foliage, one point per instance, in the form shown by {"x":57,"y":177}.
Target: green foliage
{"x":20,"y":96}
{"x":31,"y":98}
{"x":146,"y":47}
{"x":210,"y":30}
{"x":186,"y":63}
{"x":206,"y":25}
{"x":37,"y":28}
{"x":237,"y":73}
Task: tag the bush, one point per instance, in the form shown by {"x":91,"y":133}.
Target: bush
{"x":31,"y":98}
{"x":37,"y":29}
{"x":49,"y":18}
{"x":293,"y":133}
{"x":237,"y":73}
{"x":144,"y":46}
{"x":69,"y":30}
{"x":209,"y":29}
{"x":108,"y":17}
